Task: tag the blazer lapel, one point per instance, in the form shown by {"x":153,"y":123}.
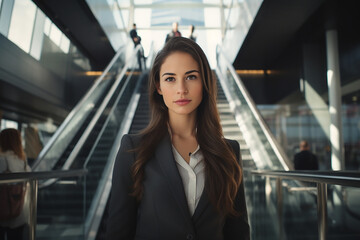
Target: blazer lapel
{"x":166,"y":160}
{"x":202,"y":205}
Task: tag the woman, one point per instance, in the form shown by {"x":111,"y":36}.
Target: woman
{"x":179,"y":178}
{"x":13,"y":159}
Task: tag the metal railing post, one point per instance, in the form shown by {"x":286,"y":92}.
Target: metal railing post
{"x":279,"y":196}
{"x":322,"y":210}
{"x":33,"y":207}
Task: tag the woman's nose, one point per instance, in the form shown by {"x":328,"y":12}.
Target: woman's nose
{"x":182,"y":88}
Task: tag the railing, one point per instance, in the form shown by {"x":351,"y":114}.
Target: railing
{"x":321,"y":179}
{"x":264,"y":148}
{"x":33,"y":179}
{"x":68,"y":129}
{"x":122,"y":112}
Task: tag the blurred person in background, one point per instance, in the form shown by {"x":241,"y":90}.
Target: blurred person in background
{"x":13,"y":159}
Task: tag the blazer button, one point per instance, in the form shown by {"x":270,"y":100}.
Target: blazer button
{"x":189,"y":237}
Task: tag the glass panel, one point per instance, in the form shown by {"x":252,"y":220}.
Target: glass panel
{"x":124,"y":3}
{"x":60,"y":210}
{"x":143,"y":1}
{"x":293,"y":212}
{"x":47,"y":26}
{"x":98,"y":158}
{"x":212,"y":1}
{"x":260,"y":147}
{"x":22,"y":23}
{"x":5,"y":123}
{"x":71,"y":132}
{"x":55,"y":34}
{"x":212,"y":17}
{"x":38,"y":35}
{"x":261,"y":206}
{"x":292,"y":123}
{"x":65,"y":44}
{"x":142,"y":18}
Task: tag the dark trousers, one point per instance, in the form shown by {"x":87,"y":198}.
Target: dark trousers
{"x":19,"y":233}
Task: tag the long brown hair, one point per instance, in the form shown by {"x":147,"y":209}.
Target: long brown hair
{"x":10,"y":140}
{"x":223,"y":174}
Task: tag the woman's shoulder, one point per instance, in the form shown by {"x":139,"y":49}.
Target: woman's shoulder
{"x":233,"y":143}
{"x":13,"y":162}
{"x":133,"y":138}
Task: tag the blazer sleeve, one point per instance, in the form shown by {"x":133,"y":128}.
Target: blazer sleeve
{"x":121,"y":223}
{"x":237,"y":227}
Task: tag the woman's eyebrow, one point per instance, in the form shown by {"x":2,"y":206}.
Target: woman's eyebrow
{"x":191,"y":71}
{"x":171,"y":74}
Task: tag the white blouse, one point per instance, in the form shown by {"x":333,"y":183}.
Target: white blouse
{"x":192,"y":175}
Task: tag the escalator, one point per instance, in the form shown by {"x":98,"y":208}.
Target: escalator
{"x":86,"y":140}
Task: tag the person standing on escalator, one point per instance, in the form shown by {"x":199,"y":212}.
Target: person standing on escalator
{"x":137,"y":41}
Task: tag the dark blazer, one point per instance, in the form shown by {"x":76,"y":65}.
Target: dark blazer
{"x":163,"y":213}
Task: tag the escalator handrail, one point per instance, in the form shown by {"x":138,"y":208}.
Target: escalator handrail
{"x":99,"y":112}
{"x":78,"y":106}
{"x":344,"y":178}
{"x":103,"y":190}
{"x":75,"y":151}
{"x":283,"y":158}
{"x":106,"y":121}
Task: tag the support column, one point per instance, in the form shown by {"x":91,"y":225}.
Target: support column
{"x":333,"y":80}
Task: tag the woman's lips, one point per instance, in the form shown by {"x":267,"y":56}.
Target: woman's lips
{"x":182,"y":102}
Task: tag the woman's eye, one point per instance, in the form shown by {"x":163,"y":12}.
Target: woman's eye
{"x":169,"y":79}
{"x":191,"y":77}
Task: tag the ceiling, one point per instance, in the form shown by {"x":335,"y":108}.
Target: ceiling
{"x":274,"y":26}
{"x":78,"y":23}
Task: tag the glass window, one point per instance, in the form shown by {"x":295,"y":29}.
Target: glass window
{"x":0,"y":5}
{"x":143,"y":1}
{"x":22,"y":23}
{"x":212,"y":17}
{"x":47,"y":26}
{"x":55,"y":34}
{"x":38,"y":35}
{"x":123,"y":3}
{"x":65,"y":44}
{"x":8,"y":124}
{"x":212,"y":1}
{"x":142,"y":17}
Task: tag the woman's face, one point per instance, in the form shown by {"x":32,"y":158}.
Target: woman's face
{"x":180,"y":84}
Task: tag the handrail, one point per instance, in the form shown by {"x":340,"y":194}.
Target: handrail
{"x":97,"y":207}
{"x":322,"y":179}
{"x":344,"y":178}
{"x":77,"y":107}
{"x":285,"y":162}
{"x":33,"y":178}
{"x":24,"y":176}
{"x":93,"y":121}
{"x":98,"y":113}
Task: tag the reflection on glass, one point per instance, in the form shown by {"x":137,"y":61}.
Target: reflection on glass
{"x":65,"y":44}
{"x":47,"y":26}
{"x":22,"y":23}
{"x":55,"y":34}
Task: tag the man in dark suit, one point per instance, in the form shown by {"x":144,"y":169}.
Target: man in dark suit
{"x":305,"y":159}
{"x":174,"y":32}
{"x":137,"y":40}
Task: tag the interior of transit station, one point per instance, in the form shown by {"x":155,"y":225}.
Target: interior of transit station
{"x":287,"y":72}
